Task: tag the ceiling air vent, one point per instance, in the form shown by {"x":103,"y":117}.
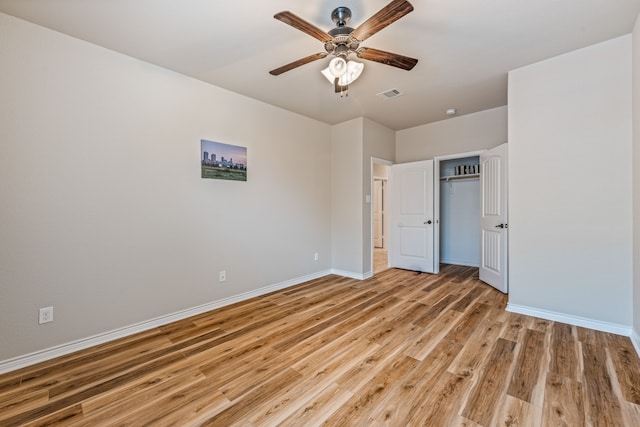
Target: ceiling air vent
{"x":388,"y":94}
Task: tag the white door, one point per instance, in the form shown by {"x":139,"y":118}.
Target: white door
{"x":493,"y":217}
{"x":411,"y":221}
{"x":378,"y":212}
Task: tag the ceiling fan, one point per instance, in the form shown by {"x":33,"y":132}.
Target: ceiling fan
{"x":344,"y":40}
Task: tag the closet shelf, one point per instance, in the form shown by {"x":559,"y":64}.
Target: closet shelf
{"x":456,"y":177}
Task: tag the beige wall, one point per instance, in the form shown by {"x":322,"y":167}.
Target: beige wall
{"x":570,"y":194}
{"x":636,"y":183}
{"x":346,"y":177}
{"x":354,"y":143}
{"x":463,"y":134}
{"x":104,"y":215}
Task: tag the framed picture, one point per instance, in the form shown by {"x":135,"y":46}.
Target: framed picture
{"x":223,"y":161}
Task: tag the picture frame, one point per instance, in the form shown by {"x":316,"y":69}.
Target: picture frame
{"x":222,"y":161}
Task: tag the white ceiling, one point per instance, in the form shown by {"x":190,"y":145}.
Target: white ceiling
{"x":465,"y":47}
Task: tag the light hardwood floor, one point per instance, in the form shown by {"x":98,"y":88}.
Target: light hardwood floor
{"x":400,"y":349}
{"x":380,"y":260}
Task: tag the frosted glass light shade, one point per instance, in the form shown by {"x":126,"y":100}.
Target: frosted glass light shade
{"x":346,"y":74}
{"x":354,"y":69}
{"x":338,"y":67}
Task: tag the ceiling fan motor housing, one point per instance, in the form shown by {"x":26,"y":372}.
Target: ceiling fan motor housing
{"x":342,"y":46}
{"x":341,"y":15}
{"x":342,"y":43}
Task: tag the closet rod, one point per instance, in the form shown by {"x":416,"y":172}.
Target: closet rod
{"x":454,"y":177}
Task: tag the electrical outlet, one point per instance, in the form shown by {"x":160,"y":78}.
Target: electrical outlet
{"x":223,"y":276}
{"x":315,"y":256}
{"x":45,"y":315}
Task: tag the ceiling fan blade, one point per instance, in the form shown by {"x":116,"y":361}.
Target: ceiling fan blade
{"x":387,"y":58}
{"x":385,"y":16}
{"x":299,"y":62}
{"x":302,"y":25}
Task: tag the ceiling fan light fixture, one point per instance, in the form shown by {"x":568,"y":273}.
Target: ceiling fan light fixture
{"x":346,"y":72}
{"x":354,"y":69}
{"x":338,"y":67}
{"x":327,"y":74}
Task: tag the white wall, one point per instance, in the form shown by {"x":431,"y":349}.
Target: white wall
{"x":570,"y":185}
{"x":103,"y":213}
{"x":463,"y":134}
{"x":347,"y":199}
{"x":636,"y":183}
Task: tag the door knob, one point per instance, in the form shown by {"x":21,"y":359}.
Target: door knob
{"x":428,"y":222}
{"x":501,"y":226}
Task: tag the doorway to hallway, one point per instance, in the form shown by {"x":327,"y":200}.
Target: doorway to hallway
{"x":379,"y":223}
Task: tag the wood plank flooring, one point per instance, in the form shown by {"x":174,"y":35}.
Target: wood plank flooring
{"x":380,"y":263}
{"x":399,"y":349}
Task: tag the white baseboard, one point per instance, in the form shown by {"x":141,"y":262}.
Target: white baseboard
{"x":572,"y":320}
{"x":459,"y":262}
{"x":352,"y":275}
{"x":83,"y":343}
{"x":635,"y":339}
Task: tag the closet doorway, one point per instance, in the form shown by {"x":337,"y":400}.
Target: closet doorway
{"x":479,"y":239}
{"x":458,"y":203}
